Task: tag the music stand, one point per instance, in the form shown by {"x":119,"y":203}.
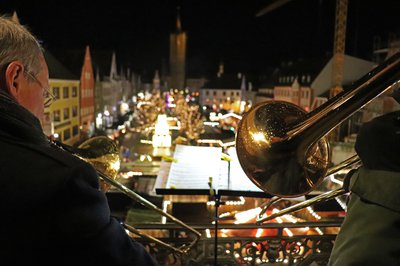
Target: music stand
{"x":216,"y":194}
{"x":190,"y":176}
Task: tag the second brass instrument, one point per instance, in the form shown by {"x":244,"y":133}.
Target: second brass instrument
{"x":283,"y":149}
{"x":102,"y":152}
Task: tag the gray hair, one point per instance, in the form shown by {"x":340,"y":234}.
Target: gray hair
{"x":17,"y":43}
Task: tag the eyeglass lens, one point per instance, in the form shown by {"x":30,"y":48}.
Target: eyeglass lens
{"x":49,"y":98}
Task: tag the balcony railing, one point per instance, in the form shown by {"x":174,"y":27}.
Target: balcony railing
{"x":277,"y":249}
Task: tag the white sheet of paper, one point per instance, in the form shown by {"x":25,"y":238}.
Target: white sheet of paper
{"x":238,"y":178}
{"x":162,"y":177}
{"x":223,"y":175}
{"x":194,"y":166}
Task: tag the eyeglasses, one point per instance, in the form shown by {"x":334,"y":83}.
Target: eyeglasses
{"x":49,"y":98}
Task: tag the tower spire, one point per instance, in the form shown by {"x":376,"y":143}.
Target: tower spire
{"x":177,"y":56}
{"x":178,"y":20}
{"x":113,"y":70}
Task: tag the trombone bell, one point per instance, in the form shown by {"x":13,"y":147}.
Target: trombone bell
{"x":283,"y":149}
{"x":270,"y":157}
{"x":103,"y":154}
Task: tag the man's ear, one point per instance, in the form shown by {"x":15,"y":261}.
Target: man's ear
{"x":13,"y":75}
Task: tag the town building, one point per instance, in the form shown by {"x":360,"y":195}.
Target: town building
{"x":113,"y":92}
{"x":228,"y":92}
{"x":87,"y":85}
{"x":61,"y":119}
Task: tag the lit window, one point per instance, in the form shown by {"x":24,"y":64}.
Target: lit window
{"x":56,"y":92}
{"x":74,"y":111}
{"x":65,"y":92}
{"x":56,"y":116}
{"x":66,"y":113}
{"x":74,"y":91}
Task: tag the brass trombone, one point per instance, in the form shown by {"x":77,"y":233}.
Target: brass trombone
{"x":103,"y":154}
{"x":285,"y":151}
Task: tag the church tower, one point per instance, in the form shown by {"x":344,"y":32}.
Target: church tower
{"x":177,"y":56}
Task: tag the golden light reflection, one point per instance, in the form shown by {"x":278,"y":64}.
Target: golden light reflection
{"x":260,"y":137}
{"x":116,"y":165}
{"x":245,"y":216}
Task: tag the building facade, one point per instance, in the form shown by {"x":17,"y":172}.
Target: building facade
{"x":296,"y":93}
{"x":65,"y":110}
{"x":62,"y":119}
{"x":87,"y":85}
{"x":226,"y":92}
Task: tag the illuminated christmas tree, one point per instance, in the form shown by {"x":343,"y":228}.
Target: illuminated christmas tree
{"x":191,"y":119}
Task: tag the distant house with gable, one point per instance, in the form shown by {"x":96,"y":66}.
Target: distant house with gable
{"x":306,"y":83}
{"x":87,"y":86}
{"x":230,"y":92}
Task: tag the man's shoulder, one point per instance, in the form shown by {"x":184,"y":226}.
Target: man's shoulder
{"x":377,"y":186}
{"x":31,"y":153}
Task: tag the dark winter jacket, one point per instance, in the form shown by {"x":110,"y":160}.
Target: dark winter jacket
{"x":52,"y":211}
{"x":370,"y":234}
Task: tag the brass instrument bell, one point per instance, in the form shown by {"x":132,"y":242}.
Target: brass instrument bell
{"x":103,"y":153}
{"x":271,"y":158}
{"x":283,"y":149}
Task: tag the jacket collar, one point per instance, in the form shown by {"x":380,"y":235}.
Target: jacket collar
{"x":17,"y":123}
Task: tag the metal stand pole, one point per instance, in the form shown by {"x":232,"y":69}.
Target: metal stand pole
{"x":217,"y":204}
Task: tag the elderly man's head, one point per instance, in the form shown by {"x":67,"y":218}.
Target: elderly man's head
{"x":24,"y":72}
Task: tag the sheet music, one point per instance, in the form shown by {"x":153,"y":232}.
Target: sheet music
{"x":194,"y":166}
{"x":223,"y":175}
{"x":162,"y":177}
{"x":238,"y":179}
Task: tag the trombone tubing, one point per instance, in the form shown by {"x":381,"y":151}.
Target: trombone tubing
{"x":159,"y":242}
{"x":325,"y":196}
{"x":150,"y":205}
{"x":304,"y":204}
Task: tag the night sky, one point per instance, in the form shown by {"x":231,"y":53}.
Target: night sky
{"x":227,"y":31}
